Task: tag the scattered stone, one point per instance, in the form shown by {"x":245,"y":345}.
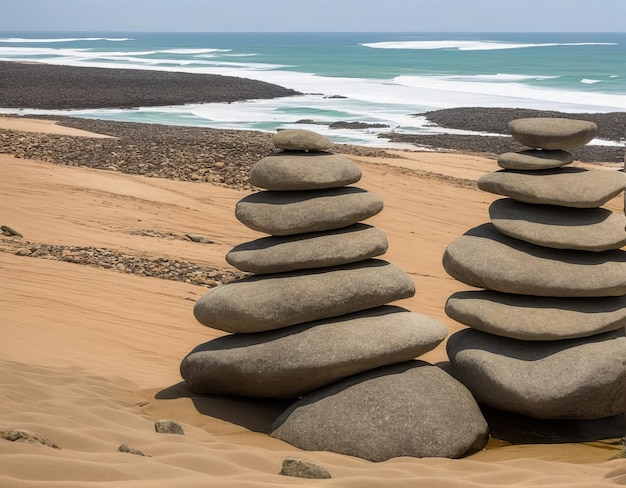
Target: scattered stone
{"x":26,"y":436}
{"x":131,"y":450}
{"x":305,"y":251}
{"x":303,"y":469}
{"x":9,"y":231}
{"x":406,"y":409}
{"x":552,"y":133}
{"x":267,"y":302}
{"x":580,"y":378}
{"x":199,"y":238}
{"x":292,"y":361}
{"x":287,"y":213}
{"x":534,"y":159}
{"x":568,"y":187}
{"x":289,"y":171}
{"x":533,"y":318}
{"x":167,"y":426}
{"x":485,"y":258}
{"x":585,"y":229}
{"x":301,"y":140}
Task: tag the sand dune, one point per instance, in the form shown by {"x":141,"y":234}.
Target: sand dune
{"x":90,"y":355}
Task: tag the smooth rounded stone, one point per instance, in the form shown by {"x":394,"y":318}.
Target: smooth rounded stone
{"x":277,"y":254}
{"x":532,"y":318}
{"x":568,"y":187}
{"x":289,"y":171}
{"x":580,"y":378}
{"x":407,"y":409}
{"x":533,"y":159}
{"x":301,"y":140}
{"x":552,"y":133}
{"x":273,"y":301}
{"x":283,"y":213}
{"x":486,"y":258}
{"x":292,"y":361}
{"x":586,"y":229}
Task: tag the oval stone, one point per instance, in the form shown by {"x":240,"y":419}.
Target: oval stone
{"x":532,"y":318}
{"x":534,"y":159}
{"x":292,"y":361}
{"x":273,"y":301}
{"x":289,"y":171}
{"x":486,"y":258}
{"x":568,"y":187}
{"x":552,"y":133}
{"x":301,"y":140}
{"x":284,"y":213}
{"x":408,"y":409}
{"x":577,"y":378}
{"x":586,"y":229}
{"x":314,"y":250}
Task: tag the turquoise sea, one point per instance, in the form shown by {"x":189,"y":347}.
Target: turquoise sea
{"x":382,"y":78}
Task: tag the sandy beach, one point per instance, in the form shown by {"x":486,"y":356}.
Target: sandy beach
{"x":90,"y":349}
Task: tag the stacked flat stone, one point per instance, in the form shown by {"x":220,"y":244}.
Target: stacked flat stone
{"x":546,"y":336}
{"x":314,"y":318}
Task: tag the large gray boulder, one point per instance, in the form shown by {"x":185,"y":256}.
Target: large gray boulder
{"x":301,"y":140}
{"x":292,"y":361}
{"x":407,"y":409}
{"x":273,"y":301}
{"x":289,"y":171}
{"x":532,"y":318}
{"x":534,"y":159}
{"x":578,"y":378}
{"x":303,"y":251}
{"x":586,"y":229}
{"x":486,"y":258}
{"x":568,"y":187}
{"x":286,"y":213}
{"x":552,"y":133}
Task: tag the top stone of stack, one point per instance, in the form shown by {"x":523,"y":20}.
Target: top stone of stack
{"x":552,"y":133}
{"x":301,"y":140}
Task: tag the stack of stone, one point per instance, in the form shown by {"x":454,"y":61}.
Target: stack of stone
{"x":546,"y":336}
{"x":313,"y":321}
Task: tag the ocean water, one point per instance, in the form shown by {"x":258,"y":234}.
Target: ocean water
{"x":381,"y":78}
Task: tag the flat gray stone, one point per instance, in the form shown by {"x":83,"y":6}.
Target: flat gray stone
{"x":552,"y":133}
{"x":533,"y":159}
{"x":303,"y":469}
{"x":486,"y":258}
{"x":577,"y":378}
{"x":301,"y":140}
{"x":586,"y":229}
{"x":267,"y":302}
{"x":284,"y":213}
{"x":568,"y":187}
{"x":292,"y":361}
{"x":532,"y":318}
{"x":407,"y":409}
{"x":168,"y":426}
{"x":314,"y":250}
{"x":289,"y":171}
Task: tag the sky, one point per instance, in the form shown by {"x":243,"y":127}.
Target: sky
{"x":314,"y":15}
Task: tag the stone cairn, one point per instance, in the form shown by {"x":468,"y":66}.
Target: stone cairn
{"x":546,"y":337}
{"x":312,"y":323}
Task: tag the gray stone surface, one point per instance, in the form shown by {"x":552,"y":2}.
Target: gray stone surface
{"x":578,"y":378}
{"x":534,"y":159}
{"x":301,"y":140}
{"x":273,"y":301}
{"x":286,"y":213}
{"x":552,"y":133}
{"x":26,"y":436}
{"x":569,"y":187}
{"x":486,"y":258}
{"x":303,"y":251}
{"x":406,"y":409}
{"x":532,"y":318}
{"x":292,"y":361}
{"x":287,"y":171}
{"x":168,"y":426}
{"x":587,"y":229}
{"x":303,"y":469}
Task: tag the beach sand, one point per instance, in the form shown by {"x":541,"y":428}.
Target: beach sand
{"x":90,"y":356}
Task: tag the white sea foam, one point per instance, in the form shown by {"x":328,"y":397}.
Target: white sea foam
{"x":590,"y":82}
{"x":473,"y":45}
